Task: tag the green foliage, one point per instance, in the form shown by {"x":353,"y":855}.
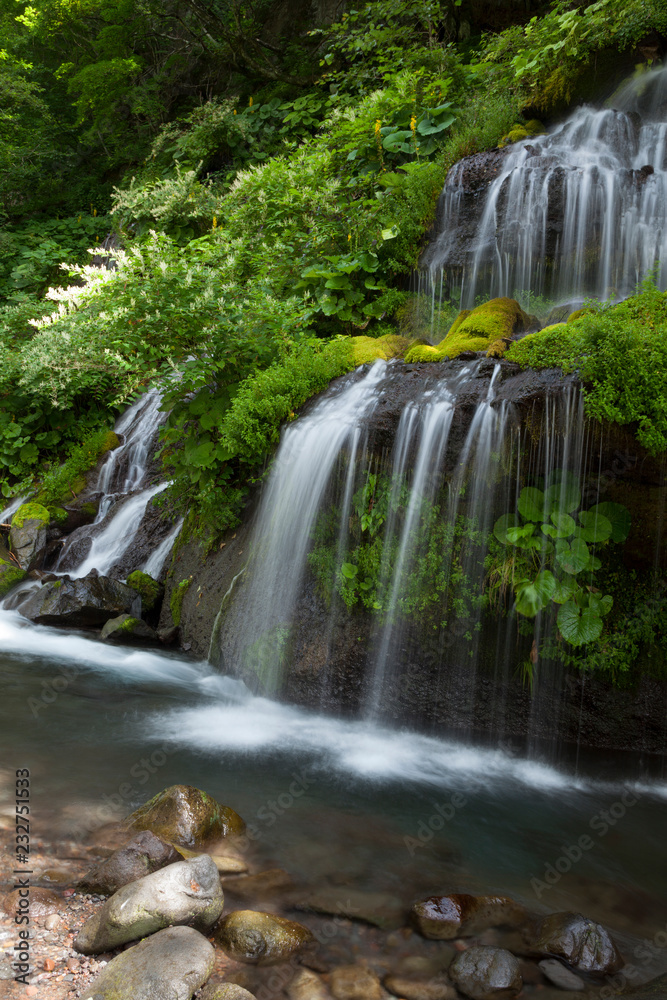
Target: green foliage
{"x":553,"y":556}
{"x":176,"y":600}
{"x":10,"y":575}
{"x":620,"y":354}
{"x":61,"y":482}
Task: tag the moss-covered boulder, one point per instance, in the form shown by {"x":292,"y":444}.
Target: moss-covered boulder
{"x":490,"y":328}
{"x":187,"y":816}
{"x":88,"y":602}
{"x":261,"y":938}
{"x":10,"y":573}
{"x":27,"y":535}
{"x":150,"y":591}
{"x":126,"y":630}
{"x":365,"y":350}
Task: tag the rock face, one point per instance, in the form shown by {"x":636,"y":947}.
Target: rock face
{"x":86,"y":603}
{"x":144,"y":855}
{"x":125,"y":629}
{"x":27,"y":534}
{"x":261,"y":938}
{"x":355,"y":982}
{"x":583,"y":944}
{"x":10,"y":573}
{"x":186,"y":816}
{"x":188,"y":892}
{"x":443,"y":918}
{"x":172,"y":963}
{"x":485,"y":973}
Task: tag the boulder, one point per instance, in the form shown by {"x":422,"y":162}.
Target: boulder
{"x":586,"y":946}
{"x":143,"y":855}
{"x":437,"y":988}
{"x":27,"y":535}
{"x":443,"y":918}
{"x":186,"y":816}
{"x":10,"y":572}
{"x":127,"y":630}
{"x":560,"y":975}
{"x":355,"y":982}
{"x":188,"y":892}
{"x":150,"y":591}
{"x":225,"y":991}
{"x":307,"y":985}
{"x":173,"y":963}
{"x":86,"y":603}
{"x":261,"y":938}
{"x":486,"y":973}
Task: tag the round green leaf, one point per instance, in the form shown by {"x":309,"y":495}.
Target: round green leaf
{"x":595,"y":526}
{"x":574,"y":558}
{"x":565,"y":524}
{"x":564,"y":590}
{"x":502,"y":524}
{"x":349,"y":570}
{"x":618,"y":516}
{"x":533,"y":596}
{"x":564,"y":496}
{"x":578,"y":626}
{"x":532,"y":504}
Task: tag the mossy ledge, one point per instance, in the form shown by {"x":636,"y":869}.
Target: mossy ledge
{"x":30,"y":512}
{"x":147,"y":588}
{"x":489,"y":327}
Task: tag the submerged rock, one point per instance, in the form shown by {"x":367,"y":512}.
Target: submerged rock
{"x":173,"y":963}
{"x":127,"y":630}
{"x":583,"y":944}
{"x":355,"y":982}
{"x":560,"y":975}
{"x":27,"y":535}
{"x":86,"y":603}
{"x":655,"y":989}
{"x":443,"y":918}
{"x":435,"y":988}
{"x":186,"y":816}
{"x":378,"y":908}
{"x":486,"y":973}
{"x":188,"y":892}
{"x":307,"y":985}
{"x":261,"y":938}
{"x":144,"y":855}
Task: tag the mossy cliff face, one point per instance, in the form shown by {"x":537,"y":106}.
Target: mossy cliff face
{"x":10,"y":572}
{"x":490,"y":328}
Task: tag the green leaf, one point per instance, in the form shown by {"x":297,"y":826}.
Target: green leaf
{"x":427,"y":127}
{"x":390,"y":234}
{"x":595,"y":526}
{"x":515,"y":536}
{"x":532,"y":504}
{"x":618,"y":516}
{"x":600,"y":604}
{"x":349,"y":570}
{"x":564,"y":496}
{"x":578,"y":626}
{"x":501,"y":526}
{"x":574,"y":558}
{"x":564,"y":590}
{"x":533,"y":596}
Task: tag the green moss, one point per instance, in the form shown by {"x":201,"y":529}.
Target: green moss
{"x":58,"y":515}
{"x":486,"y":328}
{"x":30,"y":512}
{"x":576,"y":314}
{"x":10,"y":575}
{"x":128,"y":625}
{"x":365,"y":350}
{"x":147,"y":588}
{"x":176,"y":600}
{"x":67,"y":480}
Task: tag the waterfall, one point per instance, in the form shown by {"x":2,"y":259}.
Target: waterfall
{"x":579,"y":212}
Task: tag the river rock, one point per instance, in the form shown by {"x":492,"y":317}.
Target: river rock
{"x":261,"y":938}
{"x":85,"y":603}
{"x":225,"y":991}
{"x":355,"y":982}
{"x":378,"y":908}
{"x":127,"y":630}
{"x":186,"y":816}
{"x":443,"y":918}
{"x":43,"y":902}
{"x":583,"y":944}
{"x":27,"y":535}
{"x":486,"y":973}
{"x":143,"y":855}
{"x":188,"y":892}
{"x":10,"y":573}
{"x":437,"y":988}
{"x":307,"y":985}
{"x":560,"y":975}
{"x":170,"y":964}
{"x":263,"y":885}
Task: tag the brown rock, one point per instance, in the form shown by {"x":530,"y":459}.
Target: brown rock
{"x":225,"y":991}
{"x":306,"y":985}
{"x":355,"y":982}
{"x":485,"y":973}
{"x":43,"y":902}
{"x":443,"y":918}
{"x":143,"y":855}
{"x":261,"y":938}
{"x":260,"y":886}
{"x":583,"y":944}
{"x":437,"y":988}
{"x":49,"y":965}
{"x":378,"y":908}
{"x":185,"y":815}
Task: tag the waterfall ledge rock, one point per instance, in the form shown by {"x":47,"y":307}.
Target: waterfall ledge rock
{"x":85,"y":603}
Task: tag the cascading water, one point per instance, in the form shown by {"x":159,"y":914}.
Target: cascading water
{"x":579,"y":212}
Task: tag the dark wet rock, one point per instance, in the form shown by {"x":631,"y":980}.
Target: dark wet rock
{"x":355,"y":982}
{"x":486,"y":973}
{"x":225,"y":991}
{"x":10,"y":573}
{"x":85,"y":603}
{"x":443,"y":918}
{"x":128,"y":630}
{"x":560,"y":975}
{"x":168,"y":636}
{"x":188,"y":892}
{"x":655,"y":989}
{"x":378,"y":908}
{"x":150,"y":591}
{"x":173,"y":963}
{"x":433,"y":988}
{"x":307,"y":985}
{"x":261,"y":938}
{"x":81,"y":513}
{"x":586,"y":946}
{"x":152,"y":530}
{"x":28,"y":535}
{"x":143,"y":855}
{"x":187,"y":816}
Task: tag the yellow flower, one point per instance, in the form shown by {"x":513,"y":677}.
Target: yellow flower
{"x":378,"y":125}
{"x":215,"y":222}
{"x":413,"y":124}
{"x":234,"y":110}
{"x":250,"y":103}
{"x":349,"y":236}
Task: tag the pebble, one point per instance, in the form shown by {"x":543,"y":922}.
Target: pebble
{"x":52,"y":921}
{"x":49,"y":964}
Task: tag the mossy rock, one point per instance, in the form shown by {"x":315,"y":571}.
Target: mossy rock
{"x":365,"y":350}
{"x":110,"y":443}
{"x":258,"y":938}
{"x":31,"y":512}
{"x":176,"y":600}
{"x":186,"y":816}
{"x":58,"y":515}
{"x":148,"y":589}
{"x":577,"y":314}
{"x":10,"y":573}
{"x":490,"y":327}
{"x":515,"y":134}
{"x":125,"y":629}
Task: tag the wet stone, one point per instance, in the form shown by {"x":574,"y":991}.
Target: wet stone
{"x":435,"y":988}
{"x":560,"y":975}
{"x":486,"y":973}
{"x":306,"y":985}
{"x":225,"y":991}
{"x":186,"y":816}
{"x":143,"y":855}
{"x":355,"y":982}
{"x":261,"y":938}
{"x":443,"y":918}
{"x":586,"y":946}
